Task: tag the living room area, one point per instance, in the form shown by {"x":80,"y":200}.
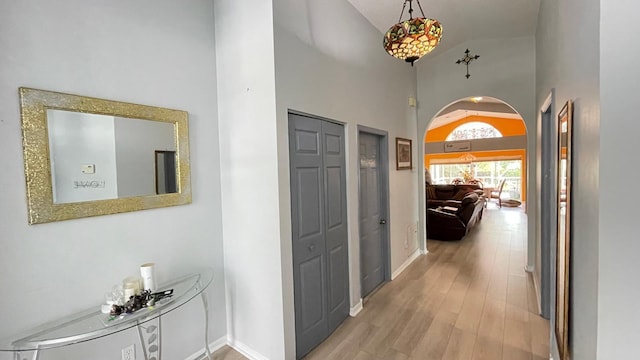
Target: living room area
{"x":474,"y":160}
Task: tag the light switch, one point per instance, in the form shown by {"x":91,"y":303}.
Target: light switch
{"x":88,"y":169}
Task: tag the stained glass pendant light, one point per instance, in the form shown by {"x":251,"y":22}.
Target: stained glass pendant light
{"x":411,"y":39}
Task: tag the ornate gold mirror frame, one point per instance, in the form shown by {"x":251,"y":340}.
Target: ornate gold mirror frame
{"x":563,"y":248}
{"x":37,"y":161}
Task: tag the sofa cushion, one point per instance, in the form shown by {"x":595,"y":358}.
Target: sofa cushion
{"x":445,"y":191}
{"x":431,"y":192}
{"x":469,"y":198}
{"x":460,"y":195}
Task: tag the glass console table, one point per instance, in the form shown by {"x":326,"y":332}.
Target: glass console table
{"x":93,"y":324}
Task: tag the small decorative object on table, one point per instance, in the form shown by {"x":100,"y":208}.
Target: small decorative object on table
{"x":137,"y":302}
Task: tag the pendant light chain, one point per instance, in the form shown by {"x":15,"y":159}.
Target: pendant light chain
{"x":410,"y":9}
{"x":402,"y":12}
{"x":420,"y":6}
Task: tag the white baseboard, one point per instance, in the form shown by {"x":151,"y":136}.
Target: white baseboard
{"x":245,"y":350}
{"x":355,"y":309}
{"x":424,"y":252}
{"x":216,"y":345}
{"x":406,"y":264}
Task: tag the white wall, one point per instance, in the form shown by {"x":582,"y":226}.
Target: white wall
{"x":136,"y":143}
{"x":246,"y":88}
{"x":77,"y":139}
{"x":618,"y":293}
{"x":505,"y":70}
{"x":159,"y":53}
{"x":567,"y":59}
{"x":330,"y":63}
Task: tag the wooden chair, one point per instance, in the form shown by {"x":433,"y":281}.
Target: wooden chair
{"x":476,"y":182}
{"x":497,"y":192}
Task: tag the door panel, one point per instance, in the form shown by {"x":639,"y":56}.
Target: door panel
{"x":334,"y":197}
{"x":372,"y":234}
{"x":336,"y":233}
{"x":310,"y":272}
{"x":337,"y":278}
{"x":319,"y":229}
{"x":309,"y":208}
{"x":307,"y":212}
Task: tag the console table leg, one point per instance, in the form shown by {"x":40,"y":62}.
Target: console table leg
{"x":142,"y":342}
{"x":17,"y":356}
{"x":205,"y":303}
{"x":150,"y":339}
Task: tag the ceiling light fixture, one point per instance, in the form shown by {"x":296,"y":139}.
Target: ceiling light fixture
{"x":411,"y":39}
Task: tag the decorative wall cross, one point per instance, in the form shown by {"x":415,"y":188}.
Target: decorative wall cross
{"x":467,"y":59}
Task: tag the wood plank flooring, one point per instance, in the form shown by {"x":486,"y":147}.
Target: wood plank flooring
{"x":468,"y":299}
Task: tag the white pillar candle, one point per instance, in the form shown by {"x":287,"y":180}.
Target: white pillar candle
{"x":148,"y":276}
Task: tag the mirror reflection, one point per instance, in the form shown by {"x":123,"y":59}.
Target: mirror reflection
{"x":165,"y":172}
{"x":97,"y":157}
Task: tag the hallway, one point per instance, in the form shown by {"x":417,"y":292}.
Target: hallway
{"x":468,"y":299}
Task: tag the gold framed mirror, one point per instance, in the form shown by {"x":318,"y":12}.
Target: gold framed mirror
{"x":563,"y":245}
{"x":85,"y":156}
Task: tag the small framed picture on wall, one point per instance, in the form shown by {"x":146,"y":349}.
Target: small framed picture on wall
{"x":404,"y":154}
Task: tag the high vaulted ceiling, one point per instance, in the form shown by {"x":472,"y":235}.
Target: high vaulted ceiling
{"x":461,"y":20}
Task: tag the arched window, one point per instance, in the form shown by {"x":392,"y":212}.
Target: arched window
{"x":473,"y":130}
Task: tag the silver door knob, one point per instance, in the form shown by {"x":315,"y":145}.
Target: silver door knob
{"x":383,"y":221}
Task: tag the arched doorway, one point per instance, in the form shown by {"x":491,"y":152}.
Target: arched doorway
{"x":457,"y":140}
{"x":483,"y":138}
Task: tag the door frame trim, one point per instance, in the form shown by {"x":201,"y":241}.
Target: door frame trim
{"x":384,"y":160}
{"x":318,"y":117}
{"x":547,"y":208}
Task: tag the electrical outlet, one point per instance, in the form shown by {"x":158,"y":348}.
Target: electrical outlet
{"x":129,"y":353}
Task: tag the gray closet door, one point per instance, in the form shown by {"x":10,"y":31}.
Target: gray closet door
{"x":372,"y":217}
{"x":319,"y":229}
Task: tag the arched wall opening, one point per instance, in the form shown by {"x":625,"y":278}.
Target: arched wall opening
{"x":513,"y":145}
{"x":506,"y":71}
{"x":507,"y":144}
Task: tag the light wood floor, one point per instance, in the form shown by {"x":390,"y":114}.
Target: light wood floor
{"x":468,"y":299}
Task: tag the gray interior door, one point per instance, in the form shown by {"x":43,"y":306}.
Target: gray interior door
{"x":372,"y":217}
{"x":319,"y":229}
